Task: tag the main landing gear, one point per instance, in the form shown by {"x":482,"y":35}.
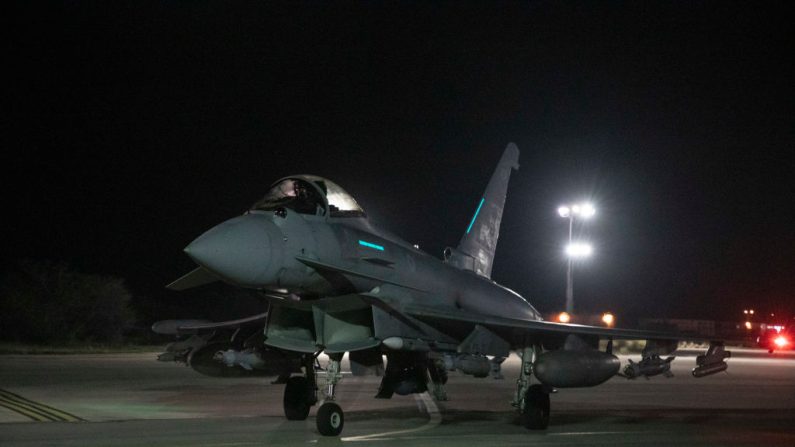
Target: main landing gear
{"x":300,"y":394}
{"x":535,"y":414}
{"x":532,"y":401}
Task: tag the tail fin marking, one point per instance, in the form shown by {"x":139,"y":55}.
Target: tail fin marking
{"x":476,"y":250}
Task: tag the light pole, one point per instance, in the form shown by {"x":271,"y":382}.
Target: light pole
{"x":574,"y":250}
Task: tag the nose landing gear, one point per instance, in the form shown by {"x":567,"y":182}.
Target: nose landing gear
{"x":300,"y":394}
{"x":330,"y":419}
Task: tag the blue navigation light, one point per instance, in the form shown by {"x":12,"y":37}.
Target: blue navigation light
{"x":371,"y":245}
{"x":475,"y":216}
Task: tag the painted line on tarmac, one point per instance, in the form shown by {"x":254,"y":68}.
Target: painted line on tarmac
{"x":31,"y":414}
{"x":592,"y":433}
{"x":34,"y":410}
{"x":424,"y":401}
{"x":490,"y":436}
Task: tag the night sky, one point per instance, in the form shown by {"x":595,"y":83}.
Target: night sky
{"x":131,"y":128}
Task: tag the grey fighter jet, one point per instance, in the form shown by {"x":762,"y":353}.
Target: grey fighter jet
{"x":336,"y":284}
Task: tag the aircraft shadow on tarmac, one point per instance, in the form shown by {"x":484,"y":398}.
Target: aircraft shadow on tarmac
{"x":498,"y":420}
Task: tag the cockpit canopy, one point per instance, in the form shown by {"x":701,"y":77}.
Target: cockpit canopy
{"x":309,"y":194}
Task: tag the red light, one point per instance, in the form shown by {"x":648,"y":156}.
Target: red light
{"x":781,"y":341}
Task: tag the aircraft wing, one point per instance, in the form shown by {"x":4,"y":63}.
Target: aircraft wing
{"x":174,"y":327}
{"x":517,"y":332}
{"x":533,"y":327}
{"x":514,"y":330}
{"x":492,"y":331}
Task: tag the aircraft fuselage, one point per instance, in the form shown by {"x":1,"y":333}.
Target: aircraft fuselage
{"x":312,"y":256}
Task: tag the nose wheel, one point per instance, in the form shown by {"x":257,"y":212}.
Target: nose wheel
{"x":330,"y":419}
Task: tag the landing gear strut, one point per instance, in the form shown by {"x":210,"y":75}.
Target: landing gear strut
{"x":438,"y":375}
{"x":532,"y":401}
{"x":330,"y":419}
{"x":301,"y":393}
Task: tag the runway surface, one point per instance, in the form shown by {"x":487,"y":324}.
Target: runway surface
{"x":133,"y":400}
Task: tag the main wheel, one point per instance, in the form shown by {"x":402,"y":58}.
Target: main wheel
{"x":330,"y":419}
{"x":535,"y":415}
{"x":296,"y":398}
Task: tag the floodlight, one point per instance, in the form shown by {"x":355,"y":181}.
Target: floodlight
{"x":587,"y":210}
{"x":579,"y":250}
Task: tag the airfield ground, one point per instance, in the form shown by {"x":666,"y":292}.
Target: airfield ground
{"x":132,"y":400}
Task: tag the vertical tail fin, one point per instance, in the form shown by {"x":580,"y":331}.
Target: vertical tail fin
{"x":476,"y":250}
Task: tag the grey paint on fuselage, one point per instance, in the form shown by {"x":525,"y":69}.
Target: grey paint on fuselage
{"x":336,"y":283}
{"x":335,"y":241}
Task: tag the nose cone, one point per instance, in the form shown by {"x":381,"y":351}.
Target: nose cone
{"x":239,"y":250}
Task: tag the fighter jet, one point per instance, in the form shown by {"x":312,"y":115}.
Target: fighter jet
{"x":335,"y":283}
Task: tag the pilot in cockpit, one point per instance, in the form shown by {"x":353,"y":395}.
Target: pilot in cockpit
{"x":309,"y":195}
{"x":306,"y":199}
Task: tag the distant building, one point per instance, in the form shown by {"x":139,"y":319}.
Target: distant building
{"x":731,"y":330}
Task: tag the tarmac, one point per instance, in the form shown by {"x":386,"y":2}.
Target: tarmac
{"x":133,"y":400}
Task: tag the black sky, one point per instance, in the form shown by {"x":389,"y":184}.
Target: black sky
{"x":133,"y":127}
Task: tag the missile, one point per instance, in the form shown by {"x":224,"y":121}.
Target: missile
{"x":649,"y":366}
{"x":246,"y":359}
{"x":709,"y":369}
{"x":473,"y":365}
{"x":703,"y":359}
{"x":712,"y":362}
